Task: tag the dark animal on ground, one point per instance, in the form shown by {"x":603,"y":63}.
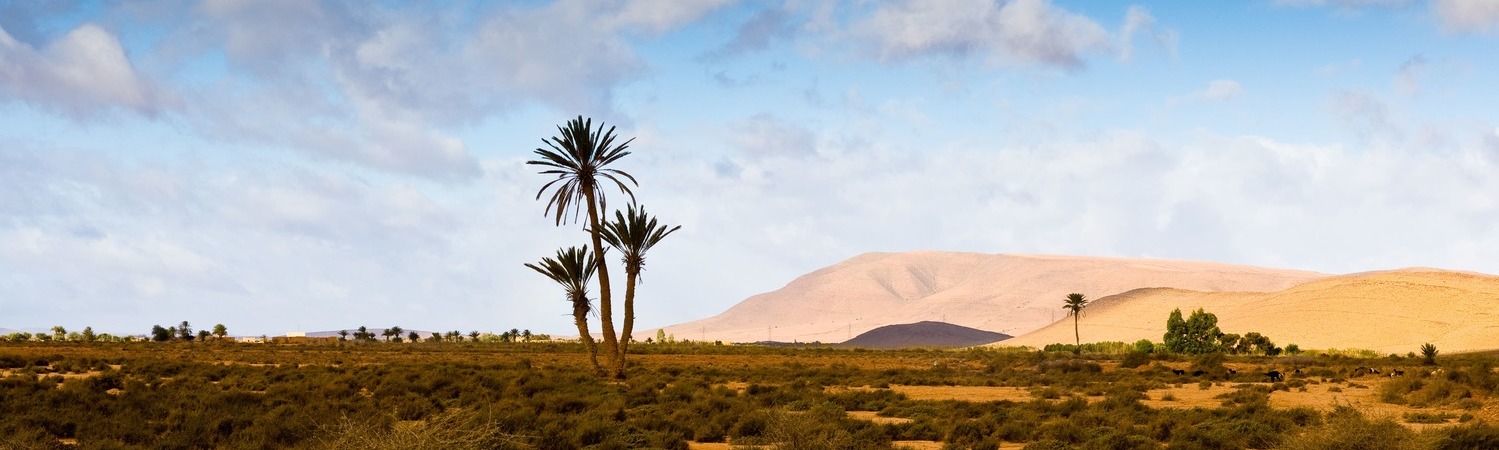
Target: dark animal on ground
{"x":1275,"y":376}
{"x":1178,"y":372}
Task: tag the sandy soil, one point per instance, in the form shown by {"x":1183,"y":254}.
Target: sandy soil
{"x":1388,"y":312}
{"x":1011,"y":294}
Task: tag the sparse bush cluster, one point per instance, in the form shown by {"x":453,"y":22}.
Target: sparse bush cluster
{"x":545,"y":395}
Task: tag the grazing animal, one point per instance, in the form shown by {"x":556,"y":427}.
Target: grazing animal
{"x":1275,"y":376}
{"x":1397,"y":373}
{"x":1233,"y":372}
{"x":1298,"y":371}
{"x":1198,"y":373}
{"x":1178,"y":372}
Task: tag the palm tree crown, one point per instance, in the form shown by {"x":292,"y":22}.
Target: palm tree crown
{"x":633,"y":232}
{"x":573,"y":268}
{"x":1075,"y":304}
{"x":580,"y":156}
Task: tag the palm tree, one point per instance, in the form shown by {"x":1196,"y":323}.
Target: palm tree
{"x":1074,"y":306}
{"x":579,"y":159}
{"x":633,"y":233}
{"x":473,"y":335}
{"x":395,"y":334}
{"x":219,"y":330}
{"x":573,"y":269}
{"x":59,"y":333}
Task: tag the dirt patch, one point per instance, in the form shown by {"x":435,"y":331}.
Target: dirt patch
{"x":873,"y":416}
{"x":965,"y":393}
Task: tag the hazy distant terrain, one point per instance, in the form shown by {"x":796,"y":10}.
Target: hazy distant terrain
{"x":1011,"y":294}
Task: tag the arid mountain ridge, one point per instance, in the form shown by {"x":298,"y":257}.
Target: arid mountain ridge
{"x":1004,"y":293}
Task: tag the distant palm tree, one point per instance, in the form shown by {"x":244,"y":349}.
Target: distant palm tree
{"x":1074,"y":306}
{"x":573,"y":269}
{"x":59,"y":333}
{"x":633,"y":233}
{"x":343,"y":335}
{"x":395,"y":333}
{"x":526,"y":335}
{"x":219,"y":330}
{"x":473,"y":335}
{"x":579,"y":159}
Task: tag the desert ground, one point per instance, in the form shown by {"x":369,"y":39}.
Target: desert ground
{"x":681,"y":396}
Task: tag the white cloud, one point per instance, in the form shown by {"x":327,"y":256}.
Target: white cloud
{"x":1138,"y":20}
{"x":1220,"y":90}
{"x":1367,"y":116}
{"x":1468,"y":15}
{"x":764,"y":135}
{"x":659,"y":16}
{"x":1025,"y":31}
{"x":81,"y":74}
{"x":1408,"y":78}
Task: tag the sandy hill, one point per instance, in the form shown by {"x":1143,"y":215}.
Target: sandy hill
{"x":924,"y":334}
{"x":1011,"y":294}
{"x":1388,"y":312}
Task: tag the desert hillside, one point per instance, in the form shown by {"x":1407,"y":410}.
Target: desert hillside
{"x":1388,"y":312}
{"x":924,"y":334}
{"x":1011,"y":294}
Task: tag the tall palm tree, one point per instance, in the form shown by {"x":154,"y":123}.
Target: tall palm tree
{"x":633,"y":232}
{"x":580,"y":160}
{"x":573,"y":269}
{"x":1074,"y":306}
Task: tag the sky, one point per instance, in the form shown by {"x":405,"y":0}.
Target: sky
{"x":280,"y":165}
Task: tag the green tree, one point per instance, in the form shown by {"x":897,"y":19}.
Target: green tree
{"x":203,"y":335}
{"x":633,"y":232}
{"x":59,"y":333}
{"x":580,"y":159}
{"x":1196,"y":335}
{"x":343,"y":335}
{"x":88,"y":334}
{"x":1074,"y":305}
{"x":220,"y":331}
{"x":413,"y":337}
{"x":160,"y":334}
{"x":1293,"y":349}
{"x":573,"y":269}
{"x":1429,"y":352}
{"x":395,"y":334}
{"x":185,"y":331}
{"x":526,"y":334}
{"x":473,"y":335}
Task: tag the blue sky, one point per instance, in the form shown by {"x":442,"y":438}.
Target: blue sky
{"x":291,"y":165}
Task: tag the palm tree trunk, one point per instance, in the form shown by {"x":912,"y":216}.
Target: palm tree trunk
{"x":606,"y":306}
{"x":624,"y":338}
{"x":1077,"y":338}
{"x":588,"y":344}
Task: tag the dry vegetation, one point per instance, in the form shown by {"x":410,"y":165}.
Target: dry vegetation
{"x":520,"y":396}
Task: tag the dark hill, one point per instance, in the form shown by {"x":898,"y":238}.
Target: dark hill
{"x":925,"y":334}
